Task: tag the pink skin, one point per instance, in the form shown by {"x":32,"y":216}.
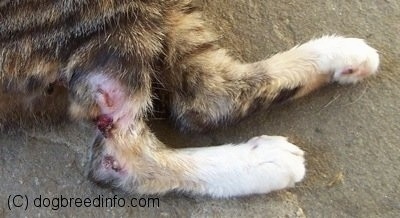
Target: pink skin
{"x":347,"y":71}
{"x":360,"y":71}
{"x":109,"y":162}
{"x":115,"y":107}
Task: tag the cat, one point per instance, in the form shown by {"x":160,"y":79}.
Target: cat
{"x":110,"y":55}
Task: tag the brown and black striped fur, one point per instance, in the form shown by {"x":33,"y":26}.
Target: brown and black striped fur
{"x":43,"y":43}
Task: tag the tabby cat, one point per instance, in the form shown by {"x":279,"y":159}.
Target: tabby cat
{"x":110,"y":53}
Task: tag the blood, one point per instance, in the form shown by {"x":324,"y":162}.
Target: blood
{"x":104,"y":124}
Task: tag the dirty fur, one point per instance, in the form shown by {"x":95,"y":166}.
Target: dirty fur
{"x":113,"y":57}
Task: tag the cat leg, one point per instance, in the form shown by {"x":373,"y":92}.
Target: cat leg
{"x":214,"y":89}
{"x":321,"y":61}
{"x":209,"y":88}
{"x":109,"y":99}
{"x":139,"y":163}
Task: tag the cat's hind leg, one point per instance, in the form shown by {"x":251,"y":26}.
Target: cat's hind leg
{"x":215,"y":89}
{"x":141,"y":164}
{"x":209,"y":88}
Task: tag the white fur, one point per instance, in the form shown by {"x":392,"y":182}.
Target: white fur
{"x":261,"y":165}
{"x":335,"y":54}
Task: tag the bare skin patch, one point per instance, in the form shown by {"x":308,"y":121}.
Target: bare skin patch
{"x":109,"y":162}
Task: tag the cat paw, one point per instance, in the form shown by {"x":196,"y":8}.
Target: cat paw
{"x":282,"y":161}
{"x":258,"y":166}
{"x":349,"y":60}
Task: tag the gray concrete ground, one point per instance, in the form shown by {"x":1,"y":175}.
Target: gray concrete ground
{"x":350,"y":133}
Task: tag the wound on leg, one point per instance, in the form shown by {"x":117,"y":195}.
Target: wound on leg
{"x":104,"y":124}
{"x":109,"y":162}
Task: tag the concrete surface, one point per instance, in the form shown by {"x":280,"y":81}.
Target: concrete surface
{"x":351,"y":134}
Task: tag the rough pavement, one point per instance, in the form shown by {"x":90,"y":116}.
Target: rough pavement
{"x":350,"y":133}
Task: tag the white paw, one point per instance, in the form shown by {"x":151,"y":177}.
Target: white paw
{"x":280,"y":162}
{"x":349,"y":59}
{"x":260,"y":165}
